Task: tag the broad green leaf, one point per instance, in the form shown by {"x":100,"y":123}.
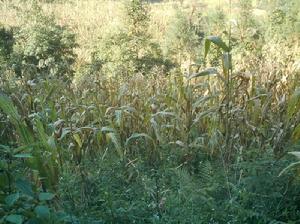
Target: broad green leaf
{"x":164,"y":114}
{"x":107,"y":129}
{"x":139,"y":135}
{"x":115,"y":140}
{"x":118,"y":114}
{"x":201,"y":101}
{"x":11,"y":199}
{"x":204,"y":114}
{"x":207,"y":47}
{"x":78,"y":139}
{"x":25,"y":187}
{"x":108,"y":110}
{"x":23,"y":155}
{"x":179,"y":143}
{"x":294,"y":103}
{"x":227,"y":61}
{"x":87,"y":128}
{"x":156,"y":129}
{"x":41,"y":132}
{"x":292,"y":165}
{"x":297,"y":154}
{"x":46,"y":196}
{"x":209,"y":71}
{"x":58,"y":122}
{"x":217,"y":41}
{"x":16,"y":219}
{"x":51,"y":142}
{"x":42,"y":211}
{"x":27,"y":148}
{"x":65,"y":131}
{"x":128,"y":109}
{"x":5,"y":148}
{"x":8,"y":108}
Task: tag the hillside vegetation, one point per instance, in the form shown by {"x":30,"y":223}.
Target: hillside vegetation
{"x":152,"y":112}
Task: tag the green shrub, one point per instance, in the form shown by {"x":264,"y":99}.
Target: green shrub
{"x":183,"y":38}
{"x":44,"y":49}
{"x":129,"y":49}
{"x":6,"y":44}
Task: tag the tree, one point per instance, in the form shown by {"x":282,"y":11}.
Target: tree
{"x":183,"y":38}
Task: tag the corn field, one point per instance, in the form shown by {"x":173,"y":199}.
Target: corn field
{"x":154,"y":112}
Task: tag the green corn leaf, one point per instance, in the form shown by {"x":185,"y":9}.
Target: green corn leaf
{"x":217,"y":41}
{"x":206,"y":47}
{"x":292,"y":165}
{"x":227,"y":61}
{"x":115,"y":140}
{"x":164,"y":114}
{"x":9,"y":109}
{"x":118,"y":114}
{"x":297,"y":154}
{"x":107,"y":129}
{"x":65,"y":131}
{"x":128,"y":109}
{"x":41,"y":132}
{"x":26,"y":148}
{"x":23,"y":155}
{"x":78,"y":139}
{"x":5,"y":148}
{"x":209,"y":71}
{"x":139,"y":135}
{"x":51,"y":143}
{"x":156,"y":129}
{"x":294,"y":103}
{"x":201,"y":101}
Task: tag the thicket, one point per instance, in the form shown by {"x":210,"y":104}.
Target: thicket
{"x":202,"y":126}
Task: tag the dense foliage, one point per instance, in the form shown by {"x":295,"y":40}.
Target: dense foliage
{"x":195,"y":119}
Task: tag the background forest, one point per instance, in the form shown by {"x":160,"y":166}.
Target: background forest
{"x":150,"y":112}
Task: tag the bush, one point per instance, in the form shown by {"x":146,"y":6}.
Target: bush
{"x":43,"y":49}
{"x":183,"y":40}
{"x":6,"y":45}
{"x":129,"y":49}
